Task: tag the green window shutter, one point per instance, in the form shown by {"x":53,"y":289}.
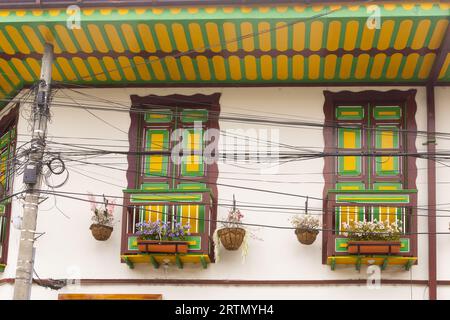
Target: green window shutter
{"x":159,"y":116}
{"x":387,"y":112}
{"x":349,"y":113}
{"x":193,"y":115}
{"x":192,"y":164}
{"x":157,"y":140}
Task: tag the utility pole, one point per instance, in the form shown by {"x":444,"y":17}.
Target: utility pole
{"x":32,"y":179}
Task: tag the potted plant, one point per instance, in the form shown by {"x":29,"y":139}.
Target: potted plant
{"x":306,"y":228}
{"x":162,"y":237}
{"x":373,"y":237}
{"x":232,"y":235}
{"x":103,"y":218}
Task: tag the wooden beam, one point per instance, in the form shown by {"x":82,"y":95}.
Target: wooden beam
{"x":154,"y":262}
{"x":431,"y":176}
{"x":440,"y":57}
{"x":101,"y":296}
{"x":178,"y":261}
{"x":203,"y":262}
{"x":128,"y":262}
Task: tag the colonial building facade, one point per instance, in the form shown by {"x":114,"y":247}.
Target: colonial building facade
{"x":174,"y":109}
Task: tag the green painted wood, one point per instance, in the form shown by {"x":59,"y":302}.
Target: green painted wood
{"x":154,"y":262}
{"x":178,"y":261}
{"x":204,"y":262}
{"x":129,"y":263}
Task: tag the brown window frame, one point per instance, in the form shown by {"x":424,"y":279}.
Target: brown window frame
{"x":332,"y":100}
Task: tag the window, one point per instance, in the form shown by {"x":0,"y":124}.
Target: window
{"x":173,"y":181}
{"x":372,"y":177}
{"x":7,"y":148}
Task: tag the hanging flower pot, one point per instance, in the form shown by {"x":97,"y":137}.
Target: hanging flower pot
{"x":306,"y":236}
{"x":157,"y":246}
{"x":231,"y":238}
{"x":101,"y":232}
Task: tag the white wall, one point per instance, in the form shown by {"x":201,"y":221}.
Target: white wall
{"x":68,"y":250}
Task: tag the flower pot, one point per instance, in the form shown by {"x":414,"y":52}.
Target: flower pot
{"x":373,"y":247}
{"x":231,"y":238}
{"x":306,"y":236}
{"x":100,"y":231}
{"x":162,"y":246}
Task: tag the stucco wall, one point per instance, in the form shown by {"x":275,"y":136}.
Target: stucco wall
{"x":67,"y":250}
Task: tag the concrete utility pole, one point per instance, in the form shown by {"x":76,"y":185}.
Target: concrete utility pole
{"x":33,"y":178}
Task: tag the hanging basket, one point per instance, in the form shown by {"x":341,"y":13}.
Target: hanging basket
{"x":306,"y":236}
{"x":231,"y":238}
{"x":101,"y":232}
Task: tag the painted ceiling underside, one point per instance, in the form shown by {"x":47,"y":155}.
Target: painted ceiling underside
{"x":229,"y":45}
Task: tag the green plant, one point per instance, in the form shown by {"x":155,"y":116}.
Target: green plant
{"x":372,"y":230}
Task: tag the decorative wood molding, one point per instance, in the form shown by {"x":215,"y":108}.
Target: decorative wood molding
{"x":101,"y":296}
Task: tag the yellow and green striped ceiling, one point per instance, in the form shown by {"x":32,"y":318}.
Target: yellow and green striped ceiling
{"x":229,"y":45}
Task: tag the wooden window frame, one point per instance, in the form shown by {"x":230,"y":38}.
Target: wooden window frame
{"x":332,"y":100}
{"x":135,"y":178}
{"x":7,"y":123}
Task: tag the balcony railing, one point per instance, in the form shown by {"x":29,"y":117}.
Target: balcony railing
{"x":343,"y":206}
{"x":186,"y":206}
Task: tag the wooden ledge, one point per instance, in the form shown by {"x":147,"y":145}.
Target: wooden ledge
{"x":380,"y":260}
{"x":157,"y":259}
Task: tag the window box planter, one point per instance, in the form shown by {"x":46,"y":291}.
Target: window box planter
{"x":374,"y":247}
{"x":163,"y":246}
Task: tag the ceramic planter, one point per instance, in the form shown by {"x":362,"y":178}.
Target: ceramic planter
{"x":163,"y":246}
{"x":373,"y":247}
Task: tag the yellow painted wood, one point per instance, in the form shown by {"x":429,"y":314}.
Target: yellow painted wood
{"x":266,"y":67}
{"x":314,"y":67}
{"x":421,"y":34}
{"x":315,"y":41}
{"x":130,"y":38}
{"x":330,"y":66}
{"x":34,"y":66}
{"x":8,"y":72}
{"x":229,"y":32}
{"x":32,"y":38}
{"x":351,"y":33}
{"x":367,"y":38}
{"x":298,"y":36}
{"x":334,"y":32}
{"x":188,"y":68}
{"x":5,"y":84}
{"x":377,"y":67}
{"x":127,"y":68}
{"x":17,"y":39}
{"x":282,"y":67}
{"x":445,"y":67}
{"x":247,"y":34}
{"x":160,"y":258}
{"x":361,"y":66}
{"x":114,"y":39}
{"x":438,"y":34}
{"x":235,"y":67}
{"x":219,"y":68}
{"x":97,"y":38}
{"x":203,"y":67}
{"x":281,"y":36}
{"x":410,"y":66}
{"x":346,"y":66}
{"x":112,"y":68}
{"x":196,"y":37}
{"x":172,"y":68}
{"x":179,"y":36}
{"x":5,"y":45}
{"x":82,"y":40}
{"x":146,"y":37}
{"x":427,"y":64}
{"x":250,"y":67}
{"x":212,"y":33}
{"x":387,"y":29}
{"x":81,"y":68}
{"x":163,"y":37}
{"x":352,"y":260}
{"x":155,"y":63}
{"x":66,"y":69}
{"x":96,"y":68}
{"x":394,"y":66}
{"x":22,"y":70}
{"x":264,"y":36}
{"x":298,"y":66}
{"x":403,"y":34}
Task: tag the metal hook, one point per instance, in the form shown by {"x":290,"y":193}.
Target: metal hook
{"x":306,"y":205}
